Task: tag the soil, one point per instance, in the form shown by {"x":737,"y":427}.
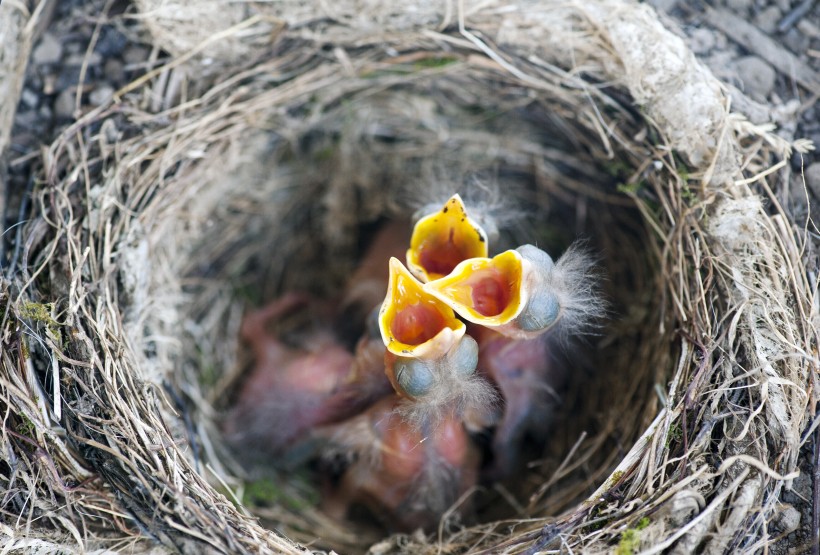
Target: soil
{"x":89,"y":49}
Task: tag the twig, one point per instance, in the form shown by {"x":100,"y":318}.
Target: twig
{"x":815,"y":497}
{"x":18,"y":239}
{"x":795,"y":15}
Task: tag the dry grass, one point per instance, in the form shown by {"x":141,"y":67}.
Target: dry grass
{"x":160,"y":217}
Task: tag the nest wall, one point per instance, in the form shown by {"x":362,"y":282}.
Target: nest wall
{"x":251,"y":162}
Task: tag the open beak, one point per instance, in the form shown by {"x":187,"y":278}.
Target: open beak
{"x":507,"y":293}
{"x":443,"y":239}
{"x":414,"y":323}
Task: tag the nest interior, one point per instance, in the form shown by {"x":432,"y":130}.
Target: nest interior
{"x":195,"y":195}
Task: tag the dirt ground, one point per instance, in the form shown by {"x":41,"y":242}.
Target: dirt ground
{"x":769,"y":49}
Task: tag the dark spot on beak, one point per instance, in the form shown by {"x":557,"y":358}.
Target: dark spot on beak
{"x":480,"y":236}
{"x":444,"y":210}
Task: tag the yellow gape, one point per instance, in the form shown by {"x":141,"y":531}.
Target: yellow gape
{"x":443,"y":239}
{"x":414,"y":323}
{"x":484,"y":291}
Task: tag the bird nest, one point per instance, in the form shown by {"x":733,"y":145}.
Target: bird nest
{"x":257,"y":157}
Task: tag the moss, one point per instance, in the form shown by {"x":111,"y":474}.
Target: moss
{"x":266,"y":492}
{"x":618,"y":168}
{"x":435,"y":62}
{"x":261,"y":492}
{"x":25,"y":427}
{"x":673,"y":435}
{"x":630,"y":539}
{"x":41,"y":312}
{"x":631,"y":187}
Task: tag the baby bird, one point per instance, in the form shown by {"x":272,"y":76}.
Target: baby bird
{"x":529,"y":380}
{"x":293,"y":389}
{"x":522,"y":293}
{"x":405,"y":476}
{"x":444,"y":238}
{"x":429,"y":359}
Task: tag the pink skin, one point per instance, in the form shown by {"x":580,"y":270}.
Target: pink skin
{"x":291,"y":390}
{"x":405,"y":476}
{"x":527,"y":379}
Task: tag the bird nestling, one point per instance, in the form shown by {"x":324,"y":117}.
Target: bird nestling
{"x":529,"y":379}
{"x":444,"y":238}
{"x":293,"y":389}
{"x":522,"y":293}
{"x":405,"y":475}
{"x":429,"y":359}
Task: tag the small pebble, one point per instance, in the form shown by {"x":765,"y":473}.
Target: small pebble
{"x":114,"y":71}
{"x":788,"y":520}
{"x":740,"y":7}
{"x":784,"y":5}
{"x":135,"y":54}
{"x":767,"y":19}
{"x":69,"y":77}
{"x":101,"y":95}
{"x":796,"y":41}
{"x":29,"y":98}
{"x":808,"y":28}
{"x":701,"y":40}
{"x":48,"y":50}
{"x":663,"y":6}
{"x":79,"y":59}
{"x":812,"y":174}
{"x":111,"y":42}
{"x":758,"y":77}
{"x":64,"y":105}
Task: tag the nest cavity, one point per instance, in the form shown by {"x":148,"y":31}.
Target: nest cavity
{"x":255,"y":158}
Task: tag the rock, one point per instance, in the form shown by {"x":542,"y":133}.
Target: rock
{"x":767,"y":19}
{"x":740,"y":7}
{"x":29,"y":98}
{"x":788,"y":519}
{"x":111,"y":42}
{"x":812,"y":174}
{"x":64,"y":105}
{"x":68,"y":78}
{"x":48,"y":50}
{"x":114,"y":71}
{"x":101,"y":95}
{"x":796,"y":41}
{"x":701,"y":40}
{"x":784,"y":5}
{"x":79,"y":59}
{"x":808,"y":28}
{"x":135,"y":54}
{"x":663,"y":6}
{"x":757,"y":76}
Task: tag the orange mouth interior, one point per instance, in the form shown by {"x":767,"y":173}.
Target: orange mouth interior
{"x":439,"y":254}
{"x":411,"y":317}
{"x":490,"y":292}
{"x":483,"y":288}
{"x":443,"y":239}
{"x":417,"y":323}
